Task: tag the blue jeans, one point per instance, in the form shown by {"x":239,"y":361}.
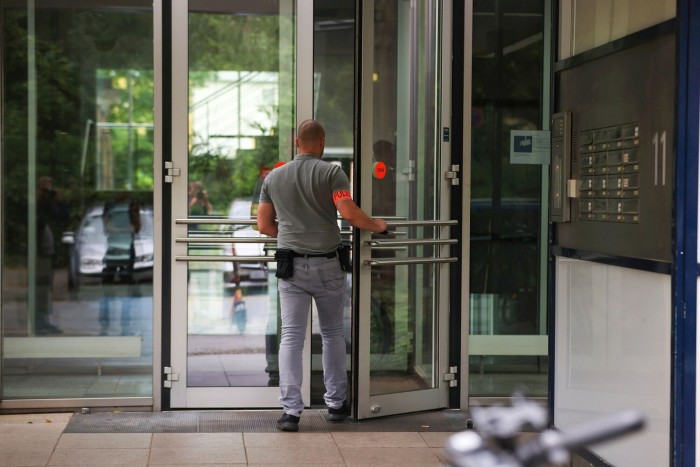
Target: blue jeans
{"x":322,"y":279}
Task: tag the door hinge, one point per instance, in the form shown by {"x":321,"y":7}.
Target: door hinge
{"x":170,"y":377}
{"x":410,"y":171}
{"x":453,"y":174}
{"x":170,"y":172}
{"x":451,"y":376}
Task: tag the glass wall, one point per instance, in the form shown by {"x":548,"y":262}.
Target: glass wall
{"x":77,"y":192}
{"x":506,"y":202}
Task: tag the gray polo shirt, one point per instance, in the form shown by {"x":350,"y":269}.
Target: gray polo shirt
{"x":303,"y":193}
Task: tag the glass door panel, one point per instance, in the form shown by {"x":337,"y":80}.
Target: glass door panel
{"x":507,"y":299}
{"x":404,"y":278}
{"x":237,"y":122}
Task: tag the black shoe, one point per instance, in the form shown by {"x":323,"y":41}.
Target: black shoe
{"x":340,"y":414}
{"x":288,"y":423}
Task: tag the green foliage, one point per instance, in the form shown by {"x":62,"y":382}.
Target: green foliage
{"x":335,"y":109}
{"x":72,"y":47}
{"x":227,"y":178}
{"x":214,"y":171}
{"x":233,"y":43}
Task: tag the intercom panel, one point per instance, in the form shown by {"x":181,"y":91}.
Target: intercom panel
{"x":612,"y":153}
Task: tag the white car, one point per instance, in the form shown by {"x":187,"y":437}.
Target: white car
{"x":95,"y":257}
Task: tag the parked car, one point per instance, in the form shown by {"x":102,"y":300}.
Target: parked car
{"x":97,"y":257}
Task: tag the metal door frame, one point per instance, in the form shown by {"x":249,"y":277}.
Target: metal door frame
{"x":464,"y":311}
{"x":216,"y":397}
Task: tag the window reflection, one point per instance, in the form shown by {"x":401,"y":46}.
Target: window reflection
{"x":77,"y":189}
{"x":241,"y":112}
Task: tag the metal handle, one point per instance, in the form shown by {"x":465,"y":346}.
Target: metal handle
{"x":215,"y":240}
{"x":216,"y":221}
{"x":422,"y":223}
{"x":399,"y":262}
{"x":213,"y":220}
{"x":390,"y":248}
{"x":225,"y":259}
{"x":445,"y":241}
{"x":248,"y":221}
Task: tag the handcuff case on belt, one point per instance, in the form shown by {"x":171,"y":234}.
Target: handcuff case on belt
{"x":344,"y":257}
{"x":285,"y":263}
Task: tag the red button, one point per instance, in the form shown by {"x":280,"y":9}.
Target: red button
{"x":379,"y":170}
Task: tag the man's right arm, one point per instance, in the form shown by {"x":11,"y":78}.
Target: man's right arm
{"x":267,"y":219}
{"x":352,"y":213}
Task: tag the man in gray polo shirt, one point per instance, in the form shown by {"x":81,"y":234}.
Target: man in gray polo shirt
{"x":298,"y":205}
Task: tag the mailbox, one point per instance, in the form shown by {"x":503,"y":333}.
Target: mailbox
{"x":611,"y":169}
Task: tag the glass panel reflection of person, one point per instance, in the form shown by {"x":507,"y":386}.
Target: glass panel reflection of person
{"x":122,"y":222}
{"x":50,"y":211}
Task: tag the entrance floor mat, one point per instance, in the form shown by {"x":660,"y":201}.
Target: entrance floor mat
{"x":257,"y":421}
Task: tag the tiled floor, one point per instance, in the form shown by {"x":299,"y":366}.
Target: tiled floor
{"x":39,"y":440}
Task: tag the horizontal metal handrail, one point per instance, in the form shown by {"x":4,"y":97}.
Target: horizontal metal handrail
{"x":248,"y":221}
{"x":215,"y":221}
{"x":390,"y":248}
{"x":409,"y":242}
{"x":422,"y":223}
{"x":225,"y":259}
{"x":269,"y":259}
{"x":215,"y":240}
{"x":399,"y":262}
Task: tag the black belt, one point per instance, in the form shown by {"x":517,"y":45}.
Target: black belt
{"x":331,"y":254}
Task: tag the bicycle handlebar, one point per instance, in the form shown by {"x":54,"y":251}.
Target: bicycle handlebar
{"x":496,"y":447}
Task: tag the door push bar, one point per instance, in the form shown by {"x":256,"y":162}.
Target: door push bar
{"x":268,"y":259}
{"x":422,"y":223}
{"x":248,"y":221}
{"x":371,"y":243}
{"x":413,"y":242}
{"x":444,"y":241}
{"x":399,"y":262}
{"x":230,"y":221}
{"x":225,"y":259}
{"x":218,"y":240}
{"x":212,"y":220}
{"x":217,"y":221}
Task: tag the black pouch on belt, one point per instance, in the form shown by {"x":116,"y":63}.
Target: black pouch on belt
{"x":344,"y":257}
{"x":285,"y":263}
